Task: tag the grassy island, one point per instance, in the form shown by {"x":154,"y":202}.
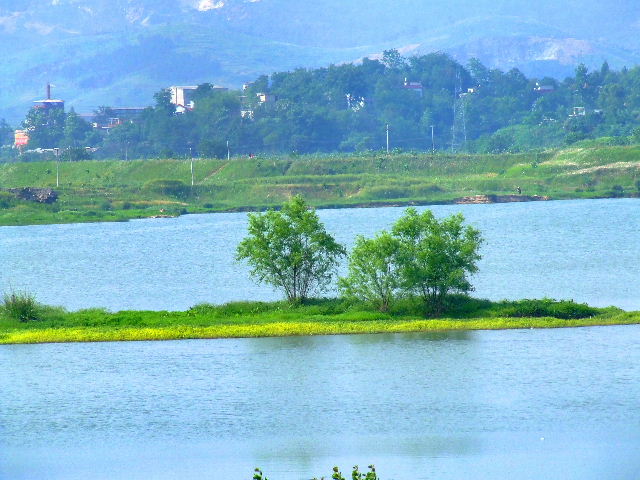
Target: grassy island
{"x":92,"y":191}
{"x":315,"y":317}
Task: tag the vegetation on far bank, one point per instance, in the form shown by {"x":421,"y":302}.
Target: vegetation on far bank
{"x":314,"y":317}
{"x":424,"y":102}
{"x":117,"y":190}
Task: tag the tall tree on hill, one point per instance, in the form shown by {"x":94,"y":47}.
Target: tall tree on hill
{"x":76,"y":130}
{"x":45,"y":127}
{"x":393,"y":60}
{"x":6,"y":133}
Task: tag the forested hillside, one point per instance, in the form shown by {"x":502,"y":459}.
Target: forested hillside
{"x":118,"y":52}
{"x":346,"y":108}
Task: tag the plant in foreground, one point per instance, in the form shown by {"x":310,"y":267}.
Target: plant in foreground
{"x":336,"y":475}
{"x":370,"y":475}
{"x":257,"y":475}
{"x":356,"y":474}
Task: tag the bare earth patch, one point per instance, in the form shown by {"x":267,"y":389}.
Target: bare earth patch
{"x":604,"y":168}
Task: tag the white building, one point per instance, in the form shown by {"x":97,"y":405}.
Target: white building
{"x":182,"y":96}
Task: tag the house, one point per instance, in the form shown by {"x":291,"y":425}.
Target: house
{"x":542,"y":89}
{"x":114,"y":116}
{"x":266,"y":98}
{"x":413,"y":86}
{"x":21,"y":138}
{"x":182,"y":97}
{"x":246,"y":113}
{"x":578,"y":112}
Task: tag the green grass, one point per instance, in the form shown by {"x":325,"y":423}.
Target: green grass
{"x":317,"y":317}
{"x":118,"y":190}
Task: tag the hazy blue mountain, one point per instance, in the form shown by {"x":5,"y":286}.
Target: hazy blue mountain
{"x":119,"y":52}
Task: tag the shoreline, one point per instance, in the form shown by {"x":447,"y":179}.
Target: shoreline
{"x":116,"y":190}
{"x":328,"y":325}
{"x":471,"y":200}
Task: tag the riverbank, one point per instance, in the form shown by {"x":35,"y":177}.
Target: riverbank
{"x":97,"y":191}
{"x":319,"y":317}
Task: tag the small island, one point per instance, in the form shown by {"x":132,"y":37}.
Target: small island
{"x":315,"y":317}
{"x":413,"y":278}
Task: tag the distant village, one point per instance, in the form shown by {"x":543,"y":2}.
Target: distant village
{"x":182,"y":97}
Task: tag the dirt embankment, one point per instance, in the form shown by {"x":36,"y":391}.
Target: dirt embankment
{"x":39,"y":195}
{"x":477,"y":199}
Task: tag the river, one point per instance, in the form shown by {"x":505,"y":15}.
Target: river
{"x":523,"y":405}
{"x":585,"y":250}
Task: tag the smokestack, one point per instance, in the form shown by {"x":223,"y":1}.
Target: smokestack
{"x":48,"y":91}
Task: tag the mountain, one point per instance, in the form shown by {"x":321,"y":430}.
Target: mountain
{"x":119,"y":52}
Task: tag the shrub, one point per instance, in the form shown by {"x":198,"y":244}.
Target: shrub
{"x":387,"y":193}
{"x":21,"y":306}
{"x":232,"y":309}
{"x":616,"y":191}
{"x":426,"y":190}
{"x":172,"y":188}
{"x":565,"y":309}
{"x":7,"y":200}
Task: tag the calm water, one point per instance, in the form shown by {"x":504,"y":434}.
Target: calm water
{"x":523,"y":405}
{"x":584,"y":250}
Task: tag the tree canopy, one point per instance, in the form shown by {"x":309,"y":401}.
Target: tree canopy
{"x":421,"y":256}
{"x":290,"y":250}
{"x":373,"y":272}
{"x":436,"y":256}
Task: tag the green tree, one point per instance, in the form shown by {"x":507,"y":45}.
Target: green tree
{"x":163,"y":102}
{"x":76,"y":130}
{"x":393,"y":60}
{"x":211,"y":148}
{"x":45,"y":126}
{"x":122,"y":140}
{"x":373,"y":271}
{"x":291,"y":250}
{"x":6,"y":133}
{"x":436,"y":256}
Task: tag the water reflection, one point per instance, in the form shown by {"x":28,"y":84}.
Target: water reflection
{"x":428,"y":405}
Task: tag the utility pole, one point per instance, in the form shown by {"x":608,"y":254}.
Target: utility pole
{"x":433,"y":143}
{"x":57,"y":152}
{"x":387,"y":139}
{"x":228,"y":151}
{"x":191,"y":157}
